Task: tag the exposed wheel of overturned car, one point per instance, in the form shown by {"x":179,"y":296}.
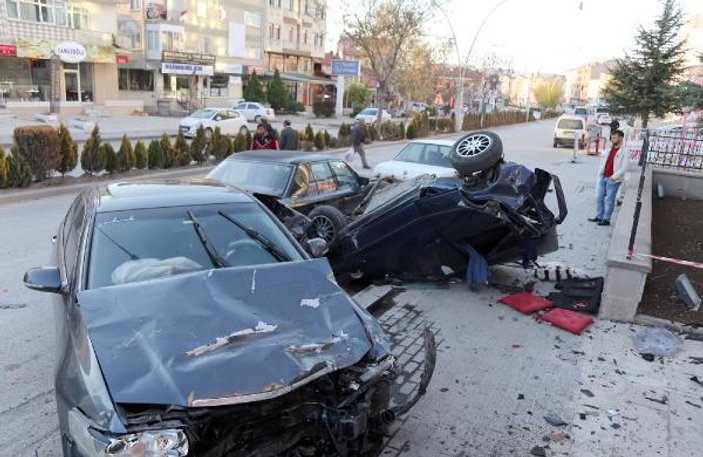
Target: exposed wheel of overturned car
{"x":326,"y":222}
{"x":476,"y":151}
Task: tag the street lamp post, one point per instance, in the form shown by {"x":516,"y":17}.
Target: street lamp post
{"x":459,"y":98}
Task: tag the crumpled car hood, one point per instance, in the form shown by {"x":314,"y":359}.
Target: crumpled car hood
{"x":226,"y":336}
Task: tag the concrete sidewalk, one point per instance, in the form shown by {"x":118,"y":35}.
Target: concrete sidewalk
{"x":499,"y":373}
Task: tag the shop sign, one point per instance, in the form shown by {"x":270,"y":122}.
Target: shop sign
{"x":31,"y":48}
{"x":8,"y":50}
{"x":194,"y":58}
{"x":122,"y":59}
{"x":229,"y":68}
{"x":187,"y":69}
{"x":250,"y":69}
{"x":70,"y":52}
{"x":346,"y":67}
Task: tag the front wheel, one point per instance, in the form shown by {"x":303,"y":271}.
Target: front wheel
{"x":257,"y":118}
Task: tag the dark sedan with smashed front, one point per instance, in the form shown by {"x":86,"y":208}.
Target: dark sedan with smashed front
{"x":494,"y":212}
{"x":191,"y":323}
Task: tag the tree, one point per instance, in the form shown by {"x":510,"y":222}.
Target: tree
{"x":357,"y":96}
{"x":548,"y":92}
{"x":111,"y":162}
{"x":92,"y":157}
{"x":167,"y":151}
{"x":3,"y":169}
{"x":19,"y":172}
{"x":646,"y":82}
{"x":156,"y":154}
{"x":384,"y":30}
{"x":278,"y":94}
{"x":141,"y":155}
{"x":199,"y":145}
{"x":68,"y":151}
{"x":418,"y":74}
{"x":181,"y":150}
{"x":125,"y":155}
{"x":254,"y":92}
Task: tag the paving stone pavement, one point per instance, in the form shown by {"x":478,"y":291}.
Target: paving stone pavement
{"x":499,"y":373}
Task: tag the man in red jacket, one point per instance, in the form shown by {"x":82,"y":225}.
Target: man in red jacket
{"x":610,"y":175}
{"x":263,"y":139}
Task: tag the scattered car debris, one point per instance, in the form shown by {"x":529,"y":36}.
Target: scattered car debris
{"x":696,"y":360}
{"x":557,"y":436}
{"x":520,"y":396}
{"x":657,"y":341}
{"x":557,"y":271}
{"x":615,"y":426}
{"x":582,"y":416}
{"x":687,"y":293}
{"x":662,"y":401}
{"x":648,"y":357}
{"x":612,"y":413}
{"x":693,"y":404}
{"x":555,"y":421}
{"x":576,"y":294}
{"x":587,"y":393}
{"x":697,"y":381}
{"x":538,"y":451}
{"x":525,"y":302}
{"x":568,"y":320}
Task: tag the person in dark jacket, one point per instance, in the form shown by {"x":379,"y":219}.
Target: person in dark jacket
{"x":614,"y":125}
{"x":358,"y":135}
{"x":269,"y":128}
{"x":289,"y":137}
{"x":263,"y":140}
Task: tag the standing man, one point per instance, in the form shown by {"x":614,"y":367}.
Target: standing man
{"x":263,"y":140}
{"x":614,"y":125}
{"x":610,"y":175}
{"x":289,"y":137}
{"x":358,"y":135}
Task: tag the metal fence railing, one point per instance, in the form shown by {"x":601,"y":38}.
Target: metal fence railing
{"x":680,"y":150}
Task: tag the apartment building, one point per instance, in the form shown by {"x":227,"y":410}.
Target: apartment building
{"x":78,"y":35}
{"x":186,"y":54}
{"x":295,"y":46}
{"x":585,"y":84}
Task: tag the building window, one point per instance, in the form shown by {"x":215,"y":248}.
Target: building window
{"x":152,"y":42}
{"x":77,"y":17}
{"x":291,"y":5}
{"x":137,"y":80}
{"x":171,"y":41}
{"x":307,"y":8}
{"x":135,"y":4}
{"x":44,"y":11}
{"x":252,"y":19}
{"x":278,"y":32}
{"x":206,"y":45}
{"x":305,"y":36}
{"x":271,"y":31}
{"x":290,"y":34}
{"x":219,"y":85}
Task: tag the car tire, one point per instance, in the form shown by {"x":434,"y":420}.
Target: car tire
{"x":257,"y":118}
{"x":243,"y":130}
{"x":476,"y":151}
{"x":326,"y":222}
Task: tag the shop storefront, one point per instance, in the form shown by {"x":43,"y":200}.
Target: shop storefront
{"x":184,"y":72}
{"x":86,"y":73}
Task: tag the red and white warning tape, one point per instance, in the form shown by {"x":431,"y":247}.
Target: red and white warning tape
{"x":687,"y":263}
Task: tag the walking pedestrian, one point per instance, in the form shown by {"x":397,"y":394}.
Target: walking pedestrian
{"x":614,"y":125}
{"x":263,"y":140}
{"x":358,"y":135}
{"x":289,"y":137}
{"x":610,"y":175}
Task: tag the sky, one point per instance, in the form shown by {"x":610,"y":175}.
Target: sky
{"x":536,"y":36}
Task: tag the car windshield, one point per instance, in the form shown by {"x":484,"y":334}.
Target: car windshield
{"x":426,"y":153}
{"x":204,"y":114}
{"x":270,"y":178}
{"x":570,"y":124}
{"x":369,"y":111}
{"x":138,"y":245}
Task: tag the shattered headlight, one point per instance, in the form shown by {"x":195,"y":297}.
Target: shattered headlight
{"x":151,"y":443}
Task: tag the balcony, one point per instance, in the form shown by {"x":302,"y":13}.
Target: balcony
{"x":92,"y":37}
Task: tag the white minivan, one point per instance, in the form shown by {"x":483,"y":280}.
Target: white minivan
{"x":568,"y":126}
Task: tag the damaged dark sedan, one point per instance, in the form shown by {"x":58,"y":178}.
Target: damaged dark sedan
{"x":494,"y":211}
{"x":191,"y":323}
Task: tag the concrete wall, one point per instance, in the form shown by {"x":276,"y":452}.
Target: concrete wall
{"x":625,"y":278}
{"x":679,"y":184}
{"x":105,"y":82}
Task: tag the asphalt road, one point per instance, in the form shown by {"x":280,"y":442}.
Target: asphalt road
{"x":28,"y":424}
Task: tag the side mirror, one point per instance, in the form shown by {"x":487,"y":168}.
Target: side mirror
{"x":43,"y":279}
{"x":316,"y":247}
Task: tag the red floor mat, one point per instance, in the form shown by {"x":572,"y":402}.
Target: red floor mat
{"x":526,"y":302}
{"x":568,"y":320}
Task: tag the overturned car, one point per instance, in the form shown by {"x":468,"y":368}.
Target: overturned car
{"x":190,"y":323}
{"x":494,"y":210}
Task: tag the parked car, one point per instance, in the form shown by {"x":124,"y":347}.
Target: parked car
{"x":604,"y":119}
{"x":568,"y":127}
{"x":189,"y":322}
{"x":417,"y":228}
{"x":230,"y":122}
{"x":371,"y":114}
{"x":581,"y":111}
{"x":253,"y":111}
{"x":419,"y":157}
{"x":324,"y":188}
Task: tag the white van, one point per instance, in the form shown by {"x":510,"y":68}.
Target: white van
{"x":567,"y":126}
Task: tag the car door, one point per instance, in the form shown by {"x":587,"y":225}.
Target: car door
{"x":350,"y":186}
{"x":227,"y":123}
{"x":242,"y":109}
